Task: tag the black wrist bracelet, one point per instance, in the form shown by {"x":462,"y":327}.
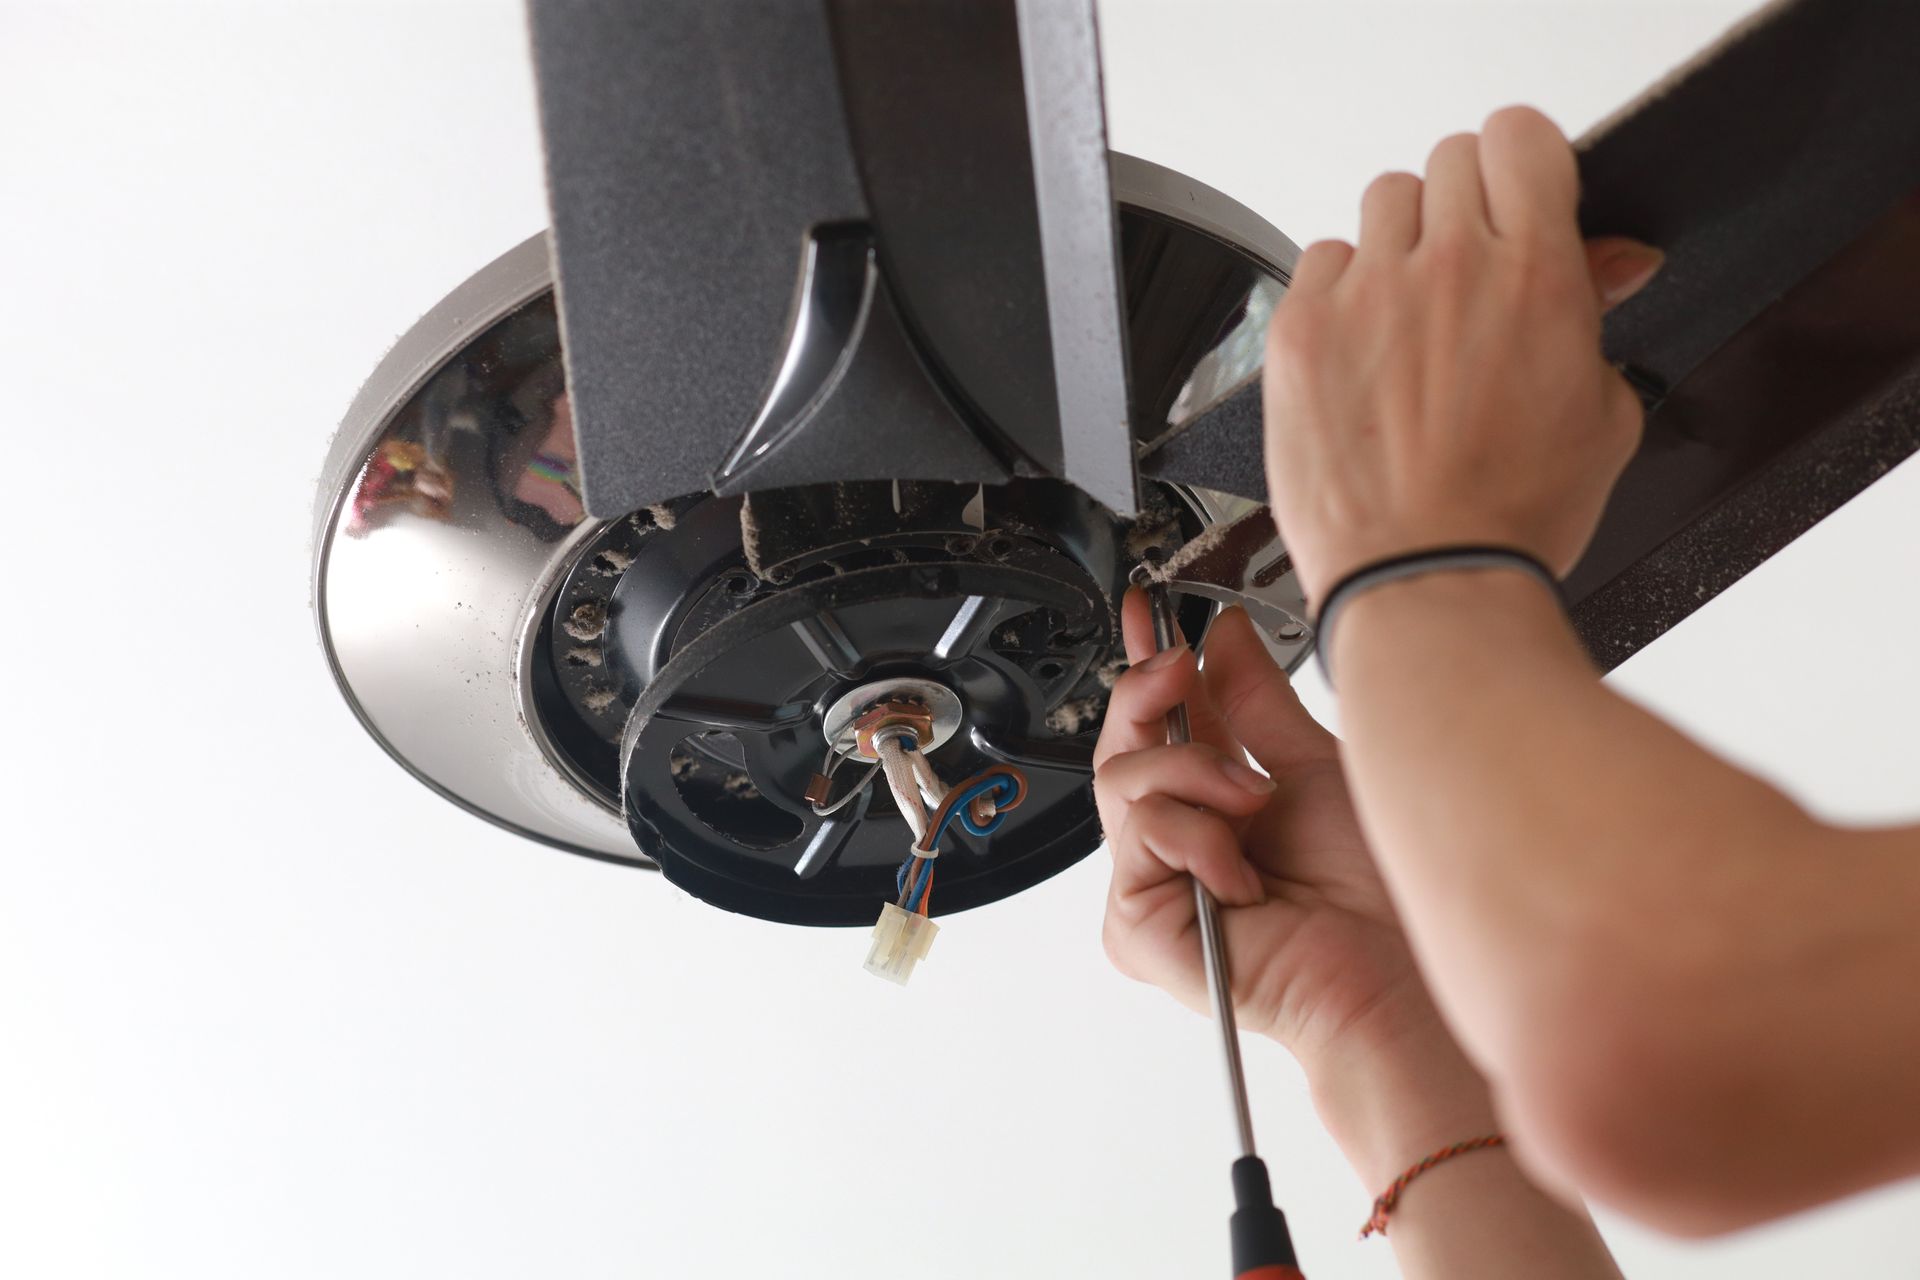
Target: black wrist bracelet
{"x":1415,"y":564}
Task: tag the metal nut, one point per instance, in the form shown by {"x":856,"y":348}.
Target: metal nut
{"x":892,"y":715}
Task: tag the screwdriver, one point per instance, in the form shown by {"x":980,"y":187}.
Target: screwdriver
{"x":1262,"y":1246}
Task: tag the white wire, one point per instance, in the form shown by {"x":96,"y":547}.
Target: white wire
{"x":932,"y":790}
{"x":903,"y":780}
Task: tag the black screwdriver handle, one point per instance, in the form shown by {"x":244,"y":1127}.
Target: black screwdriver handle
{"x":1262,"y":1246}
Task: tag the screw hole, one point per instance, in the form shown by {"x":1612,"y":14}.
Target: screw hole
{"x":999,"y":546}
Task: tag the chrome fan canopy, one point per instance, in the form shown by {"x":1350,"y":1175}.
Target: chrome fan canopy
{"x":656,"y":689}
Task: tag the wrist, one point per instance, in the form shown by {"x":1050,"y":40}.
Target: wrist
{"x":1496,"y":604}
{"x":1448,"y":560}
{"x":1390,"y":1095}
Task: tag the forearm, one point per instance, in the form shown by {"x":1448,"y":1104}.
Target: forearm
{"x":1618,"y":924}
{"x":1516,"y":805}
{"x":1475,"y":1215}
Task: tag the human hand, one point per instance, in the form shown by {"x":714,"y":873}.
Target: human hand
{"x":1315,"y":948}
{"x":1443,"y":381}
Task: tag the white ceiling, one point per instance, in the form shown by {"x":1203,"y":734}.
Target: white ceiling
{"x":271,"y":1009}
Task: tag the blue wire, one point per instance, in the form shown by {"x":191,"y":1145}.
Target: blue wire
{"x":1001,"y":787}
{"x":962,"y":808}
{"x":920,"y":892}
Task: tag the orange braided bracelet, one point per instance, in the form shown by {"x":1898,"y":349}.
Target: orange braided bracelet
{"x":1384,"y":1205}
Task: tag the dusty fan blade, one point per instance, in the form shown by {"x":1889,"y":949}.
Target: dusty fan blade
{"x":1774,"y":170}
{"x":1752,"y":165}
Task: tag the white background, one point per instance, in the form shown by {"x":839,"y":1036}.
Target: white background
{"x":270,"y":1009}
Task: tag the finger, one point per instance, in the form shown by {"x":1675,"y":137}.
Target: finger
{"x":1150,"y":937}
{"x":1319,"y":267}
{"x":1163,"y":838}
{"x":1145,"y":692}
{"x":1195,"y":774}
{"x":1621,"y":267}
{"x":1390,"y":214}
{"x":1527,"y":170}
{"x":1453,"y":199}
{"x":1136,"y":626}
{"x":1256,"y":700}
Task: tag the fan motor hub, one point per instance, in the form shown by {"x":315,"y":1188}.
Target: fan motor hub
{"x":728,"y":647}
{"x":925,"y":708}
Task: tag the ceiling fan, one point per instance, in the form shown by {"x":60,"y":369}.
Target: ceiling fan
{"x":856,"y":375}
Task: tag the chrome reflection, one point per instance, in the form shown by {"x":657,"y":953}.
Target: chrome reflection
{"x":456,"y":495}
{"x":1203,"y":275}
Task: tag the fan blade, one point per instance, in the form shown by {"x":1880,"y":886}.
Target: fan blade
{"x":981,"y":138}
{"x":1773,"y":170}
{"x":1751,"y":166}
{"x":689,"y":146}
{"x":718,"y":171}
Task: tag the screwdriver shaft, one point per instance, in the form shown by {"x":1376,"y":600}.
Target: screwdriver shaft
{"x":1213,"y":944}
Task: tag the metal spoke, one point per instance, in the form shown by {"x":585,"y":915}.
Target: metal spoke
{"x":728,"y":713}
{"x":969,"y":627}
{"x":828,"y":642}
{"x":828,"y":839}
{"x":1064,"y":755}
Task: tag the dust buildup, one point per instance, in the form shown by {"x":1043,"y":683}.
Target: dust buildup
{"x":1206,"y":540}
{"x":1157,"y":526}
{"x":598,"y":700}
{"x":740,"y":786}
{"x":588,"y":621}
{"x":1077,"y":715}
{"x":750,"y":537}
{"x":680,"y":765}
{"x":583,"y":656}
{"x":1110,"y":672}
{"x":611,"y":562}
{"x":663,"y":516}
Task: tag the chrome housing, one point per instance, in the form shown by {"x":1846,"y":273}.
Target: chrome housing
{"x":441,"y":531}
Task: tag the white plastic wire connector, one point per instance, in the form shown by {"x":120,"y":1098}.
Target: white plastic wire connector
{"x":901,"y":940}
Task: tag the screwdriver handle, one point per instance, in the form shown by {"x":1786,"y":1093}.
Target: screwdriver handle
{"x":1262,"y":1245}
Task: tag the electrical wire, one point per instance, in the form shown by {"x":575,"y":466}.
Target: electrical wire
{"x":1003,"y":786}
{"x":894,"y":752}
{"x":831,"y":767}
{"x":981,"y":804}
{"x":926,"y":888}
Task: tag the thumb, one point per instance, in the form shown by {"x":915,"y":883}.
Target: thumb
{"x":1621,"y":267}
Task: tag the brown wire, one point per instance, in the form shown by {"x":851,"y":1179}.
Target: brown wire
{"x":939,"y":816}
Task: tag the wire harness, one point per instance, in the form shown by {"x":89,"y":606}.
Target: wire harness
{"x":979,"y":804}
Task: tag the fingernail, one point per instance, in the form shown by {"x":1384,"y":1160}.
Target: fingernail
{"x":1627,"y":272}
{"x":1246,"y":777}
{"x":1162,"y":659}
